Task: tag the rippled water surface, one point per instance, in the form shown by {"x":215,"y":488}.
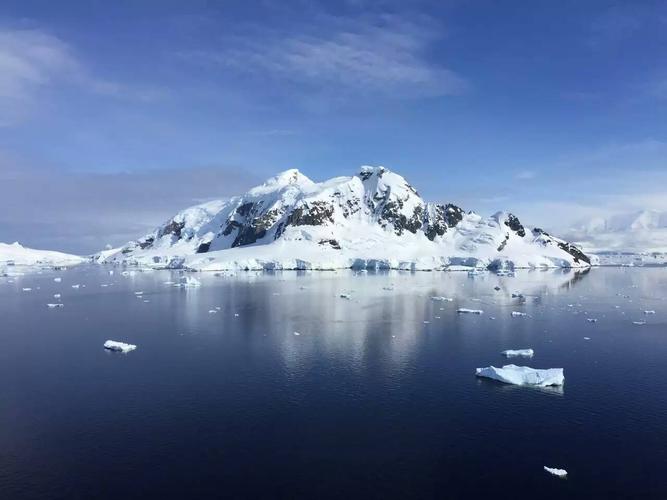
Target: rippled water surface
{"x":375,"y":398}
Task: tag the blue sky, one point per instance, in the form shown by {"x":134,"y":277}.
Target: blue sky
{"x":113,"y":115}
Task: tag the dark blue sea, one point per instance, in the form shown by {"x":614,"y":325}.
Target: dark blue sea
{"x":376,"y":397}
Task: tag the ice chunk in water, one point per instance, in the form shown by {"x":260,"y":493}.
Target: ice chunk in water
{"x":524,"y":353}
{"x":114,"y":345}
{"x":556,"y":472}
{"x":523,"y":375}
{"x":464,"y":310}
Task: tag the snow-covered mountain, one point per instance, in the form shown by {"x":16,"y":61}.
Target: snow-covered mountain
{"x":635,"y":232}
{"x":16,"y":254}
{"x":374,"y":219}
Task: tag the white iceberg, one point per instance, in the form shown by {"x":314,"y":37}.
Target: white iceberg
{"x":523,"y":375}
{"x":523,"y":353}
{"x":464,"y":310}
{"x":113,"y":345}
{"x":518,"y":314}
{"x":556,"y":472}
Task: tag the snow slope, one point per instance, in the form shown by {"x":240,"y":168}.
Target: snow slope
{"x":19,"y":255}
{"x":374,"y":219}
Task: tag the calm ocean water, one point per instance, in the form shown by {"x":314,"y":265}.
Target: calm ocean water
{"x":375,"y":398}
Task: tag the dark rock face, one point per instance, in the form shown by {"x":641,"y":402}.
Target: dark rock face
{"x":453,"y":214}
{"x":255,"y":226}
{"x":501,"y":247}
{"x":332,"y":243}
{"x":440,"y":218}
{"x":435,"y":222}
{"x":317,"y":213}
{"x":146,"y":243}
{"x":513,"y":223}
{"x":573,"y":250}
{"x":174,"y":228}
{"x":392,"y":214}
{"x":204,"y":247}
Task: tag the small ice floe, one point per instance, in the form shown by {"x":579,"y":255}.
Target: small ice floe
{"x":138,"y":293}
{"x":465,"y":310}
{"x":587,"y":338}
{"x":442,"y":299}
{"x":297,"y":334}
{"x":556,"y":472}
{"x":523,"y":375}
{"x":639,"y":323}
{"x":212,"y":311}
{"x":518,"y":314}
{"x":189,"y":282}
{"x":649,"y":312}
{"x":56,"y":295}
{"x":426,"y":322}
{"x":113,"y":345}
{"x":236,"y":315}
{"x":76,"y":286}
{"x":27,"y":289}
{"x":57,"y":280}
{"x":53,"y":306}
{"x":592,"y":320}
{"x":111,"y":272}
{"x":345,"y":296}
{"x":168,"y":282}
{"x":523,"y":353}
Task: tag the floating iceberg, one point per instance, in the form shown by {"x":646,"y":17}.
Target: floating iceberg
{"x":524,"y":353}
{"x":518,"y":314}
{"x":113,"y":345}
{"x":556,"y":472}
{"x":464,"y":310}
{"x":523,"y":375}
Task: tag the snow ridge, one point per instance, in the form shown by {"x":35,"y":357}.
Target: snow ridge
{"x":374,"y":219}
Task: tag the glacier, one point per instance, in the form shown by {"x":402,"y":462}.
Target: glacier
{"x":372,"y":220}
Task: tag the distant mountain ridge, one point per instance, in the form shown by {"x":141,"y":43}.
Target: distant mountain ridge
{"x":374,"y":219}
{"x":642,"y":231}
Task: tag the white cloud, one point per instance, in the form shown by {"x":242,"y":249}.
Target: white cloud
{"x":386,"y":55}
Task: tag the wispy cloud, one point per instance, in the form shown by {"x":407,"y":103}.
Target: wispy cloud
{"x":34,"y":61}
{"x":386,"y":55}
{"x":525,"y":175}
